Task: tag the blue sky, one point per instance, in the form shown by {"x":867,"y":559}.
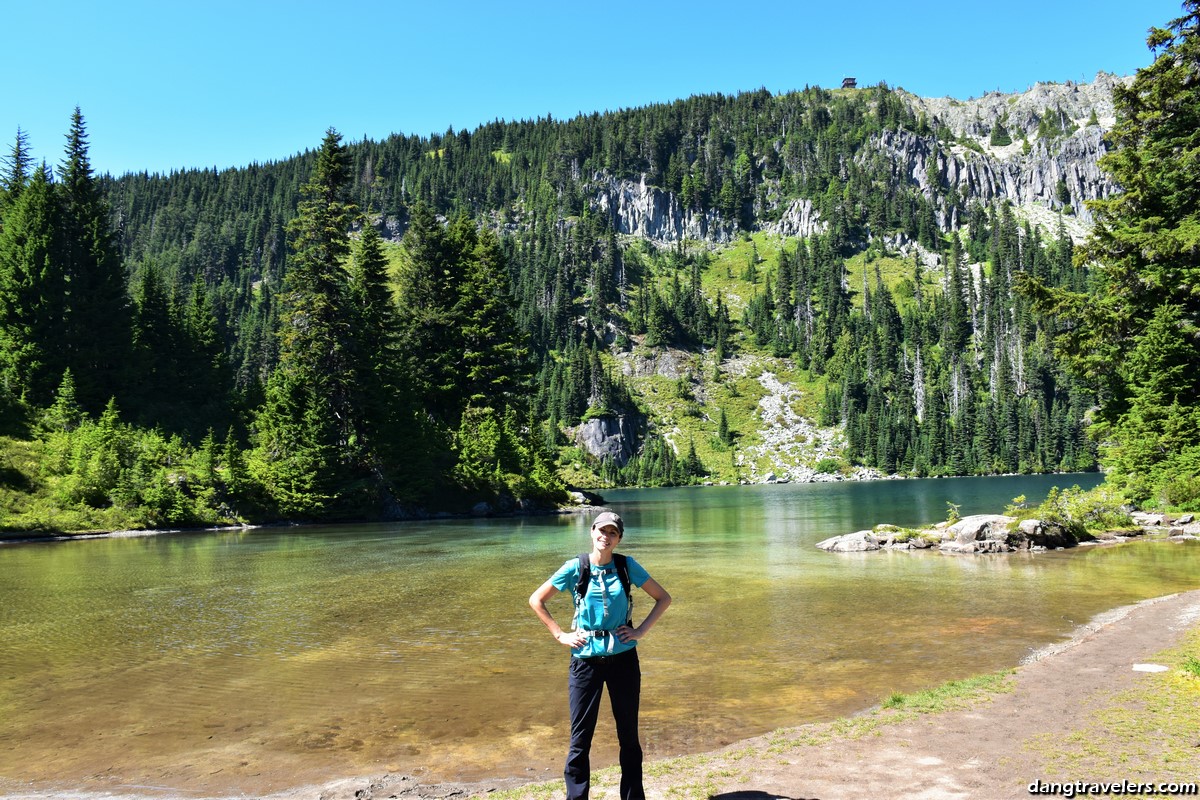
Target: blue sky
{"x":166,"y":85}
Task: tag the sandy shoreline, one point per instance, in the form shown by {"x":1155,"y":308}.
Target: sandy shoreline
{"x":982,"y":751}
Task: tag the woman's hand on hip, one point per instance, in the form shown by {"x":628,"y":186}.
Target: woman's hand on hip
{"x":571,"y":639}
{"x":627,"y":634}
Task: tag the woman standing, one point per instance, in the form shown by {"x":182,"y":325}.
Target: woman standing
{"x":603,"y":645}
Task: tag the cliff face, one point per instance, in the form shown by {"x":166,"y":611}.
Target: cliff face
{"x":1063,"y":125}
{"x":648,"y":212}
{"x":1006,"y":173}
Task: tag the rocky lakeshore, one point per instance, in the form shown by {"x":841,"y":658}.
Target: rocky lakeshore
{"x":999,"y":533}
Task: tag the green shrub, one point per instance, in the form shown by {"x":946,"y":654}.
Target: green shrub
{"x":1182,"y":492}
{"x":1191,"y":665}
{"x":1100,"y":509}
{"x":828,"y":466}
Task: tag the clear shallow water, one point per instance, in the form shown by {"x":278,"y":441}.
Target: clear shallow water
{"x":257,"y":660}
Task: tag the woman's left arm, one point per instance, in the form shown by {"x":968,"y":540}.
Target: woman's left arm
{"x":661,"y":600}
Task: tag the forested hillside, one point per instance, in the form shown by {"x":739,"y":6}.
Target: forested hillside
{"x":808,"y":285}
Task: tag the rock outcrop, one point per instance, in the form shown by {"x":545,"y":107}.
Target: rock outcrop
{"x":647,"y":212}
{"x":991,"y":177}
{"x":611,"y":437}
{"x":997,"y":533}
{"x":800,"y":218}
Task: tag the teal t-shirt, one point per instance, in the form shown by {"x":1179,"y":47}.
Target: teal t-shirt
{"x":604,"y":607}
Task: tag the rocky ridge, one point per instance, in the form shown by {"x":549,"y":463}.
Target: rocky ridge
{"x":978,"y":170}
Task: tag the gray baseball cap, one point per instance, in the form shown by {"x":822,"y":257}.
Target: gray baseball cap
{"x":609,"y":518}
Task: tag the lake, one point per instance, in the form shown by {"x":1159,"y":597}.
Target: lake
{"x":252,"y":661}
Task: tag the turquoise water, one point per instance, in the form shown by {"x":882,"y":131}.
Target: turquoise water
{"x":252,"y":661}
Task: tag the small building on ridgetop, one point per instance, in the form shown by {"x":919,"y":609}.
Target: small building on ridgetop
{"x":849,"y":83}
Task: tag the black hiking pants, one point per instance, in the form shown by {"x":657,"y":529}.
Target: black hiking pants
{"x":622,"y":674}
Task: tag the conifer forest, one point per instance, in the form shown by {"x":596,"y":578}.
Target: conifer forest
{"x":716,"y":289}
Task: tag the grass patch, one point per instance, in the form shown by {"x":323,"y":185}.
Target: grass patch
{"x":897,"y":275}
{"x":953,"y":695}
{"x":727,"y":273}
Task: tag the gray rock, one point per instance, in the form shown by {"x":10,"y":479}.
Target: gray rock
{"x":979,"y":527}
{"x":1186,"y":519}
{"x":858,"y":542}
{"x":1146,"y":519}
{"x":800,"y":219}
{"x":481,"y":509}
{"x":1039,"y":533}
{"x":648,"y":212}
{"x":612,"y":437}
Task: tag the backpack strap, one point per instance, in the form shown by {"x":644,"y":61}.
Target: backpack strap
{"x":623,"y":574}
{"x":585,"y":575}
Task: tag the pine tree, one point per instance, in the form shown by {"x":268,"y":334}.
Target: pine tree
{"x":375,"y":325}
{"x":308,"y":454}
{"x":97,"y":325}
{"x":1144,"y":247}
{"x":494,"y":366}
{"x":429,"y":282}
{"x":17,"y":167}
{"x":32,"y":292}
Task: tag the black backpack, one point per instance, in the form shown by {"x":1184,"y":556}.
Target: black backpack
{"x":585,"y":577}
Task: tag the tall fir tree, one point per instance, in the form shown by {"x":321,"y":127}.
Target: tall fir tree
{"x":16,"y":173}
{"x":32,"y":293}
{"x":494,"y":356}
{"x":1144,"y":247}
{"x":307,"y":451}
{"x":97,"y":323}
{"x":429,"y":283}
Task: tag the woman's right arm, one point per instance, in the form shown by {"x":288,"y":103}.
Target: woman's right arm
{"x":537,"y":601}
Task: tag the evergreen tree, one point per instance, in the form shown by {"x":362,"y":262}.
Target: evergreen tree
{"x":308,"y":454}
{"x":429,"y":282}
{"x":16,"y":174}
{"x":494,"y":366}
{"x":97,"y":324}
{"x":32,"y":293}
{"x":1143,"y":312}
